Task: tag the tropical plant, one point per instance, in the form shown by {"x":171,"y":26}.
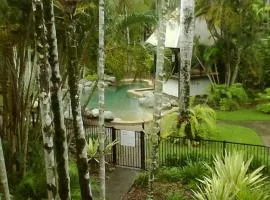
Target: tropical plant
{"x":264,"y":101}
{"x":230,"y":180}
{"x":3,"y":174}
{"x":93,"y":149}
{"x":202,"y":122}
{"x":227,"y":98}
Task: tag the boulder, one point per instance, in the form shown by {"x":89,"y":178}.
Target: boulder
{"x":147,"y":101}
{"x":109,"y":78}
{"x":166,"y":106}
{"x":174,"y":103}
{"x":108,"y":115}
{"x":95,"y":112}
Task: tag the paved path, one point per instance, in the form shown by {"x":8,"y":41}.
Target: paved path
{"x":120,"y":182}
{"x":261,"y":127}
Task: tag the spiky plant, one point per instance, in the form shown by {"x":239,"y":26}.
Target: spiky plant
{"x":230,"y":180}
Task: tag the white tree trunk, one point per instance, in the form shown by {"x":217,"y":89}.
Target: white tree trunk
{"x":186,"y":47}
{"x":3,"y":173}
{"x":44,"y":98}
{"x":78,"y":129}
{"x":101,"y":99}
{"x":60,"y":139}
{"x":158,"y":93}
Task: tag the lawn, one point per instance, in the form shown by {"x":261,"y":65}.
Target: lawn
{"x":243,"y":115}
{"x":239,"y":134}
{"x":225,"y":132}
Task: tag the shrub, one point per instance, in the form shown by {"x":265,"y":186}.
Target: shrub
{"x":230,"y":180}
{"x":264,"y":101}
{"x":193,"y":171}
{"x":225,"y":98}
{"x":170,"y":174}
{"x":176,"y":196}
{"x":141,"y":179}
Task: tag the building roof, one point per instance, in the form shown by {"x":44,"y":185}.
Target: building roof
{"x":173,"y":32}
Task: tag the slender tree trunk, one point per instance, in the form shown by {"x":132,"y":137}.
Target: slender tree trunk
{"x":60,"y":139}
{"x":159,"y":77}
{"x":78,"y":129}
{"x":186,"y":46}
{"x":101,"y":87}
{"x":3,"y":174}
{"x":236,"y":69}
{"x":44,"y":98}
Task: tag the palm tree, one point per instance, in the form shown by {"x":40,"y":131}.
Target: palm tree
{"x":75,"y":93}
{"x":186,"y":46}
{"x":158,"y":92}
{"x":60,"y":140}
{"x":44,"y":97}
{"x":3,"y":173}
{"x":101,"y":98}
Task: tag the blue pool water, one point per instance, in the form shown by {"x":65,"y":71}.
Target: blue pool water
{"x":120,"y":103}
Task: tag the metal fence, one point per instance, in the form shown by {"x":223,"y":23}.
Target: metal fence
{"x":173,"y":149}
{"x":178,"y":149}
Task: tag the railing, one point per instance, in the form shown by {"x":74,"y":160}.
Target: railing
{"x":174,"y":150}
{"x":178,"y":149}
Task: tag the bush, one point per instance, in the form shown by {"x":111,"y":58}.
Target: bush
{"x":264,"y":100}
{"x":141,"y":179}
{"x":226,"y":98}
{"x":169,"y":174}
{"x":230,"y":180}
{"x":176,"y":196}
{"x":193,"y":171}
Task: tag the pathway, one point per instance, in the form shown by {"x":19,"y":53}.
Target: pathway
{"x":261,"y":127}
{"x":120,"y":182}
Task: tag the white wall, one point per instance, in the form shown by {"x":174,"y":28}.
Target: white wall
{"x":198,"y":86}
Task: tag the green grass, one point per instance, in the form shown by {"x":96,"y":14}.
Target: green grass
{"x":239,"y":134}
{"x":227,"y":132}
{"x":243,"y":115}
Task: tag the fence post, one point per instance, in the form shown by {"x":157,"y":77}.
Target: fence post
{"x":142,"y":148}
{"x":114,"y":146}
{"x":223,"y":148}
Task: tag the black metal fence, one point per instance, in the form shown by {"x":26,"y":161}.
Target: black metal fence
{"x":173,"y":149}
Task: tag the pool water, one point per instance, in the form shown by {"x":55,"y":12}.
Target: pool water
{"x":123,"y":106}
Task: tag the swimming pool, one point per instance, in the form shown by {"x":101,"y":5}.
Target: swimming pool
{"x":123,"y":105}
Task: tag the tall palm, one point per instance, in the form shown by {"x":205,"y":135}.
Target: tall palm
{"x":75,"y":93}
{"x":44,"y":96}
{"x":101,"y":98}
{"x":60,"y":140}
{"x":3,"y":173}
{"x":186,"y":47}
{"x":158,"y":92}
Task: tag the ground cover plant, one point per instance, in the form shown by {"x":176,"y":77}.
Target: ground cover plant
{"x":264,"y":101}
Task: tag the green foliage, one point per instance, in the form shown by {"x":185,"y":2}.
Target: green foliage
{"x":176,"y":196}
{"x":230,"y":180}
{"x":91,"y":77}
{"x":169,"y":174}
{"x":227,"y":98}
{"x":202,"y":121}
{"x":264,"y":99}
{"x":142,"y":179}
{"x":32,"y":186}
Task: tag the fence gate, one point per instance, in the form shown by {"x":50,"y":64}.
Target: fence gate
{"x":130,"y":151}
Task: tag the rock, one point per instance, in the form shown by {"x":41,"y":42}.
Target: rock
{"x":87,"y":112}
{"x":166,"y":106}
{"x":109,"y":78}
{"x":88,"y":84}
{"x":148,"y":94}
{"x":108,"y":115}
{"x":174,"y":103}
{"x":147,"y":101}
{"x":95,"y":112}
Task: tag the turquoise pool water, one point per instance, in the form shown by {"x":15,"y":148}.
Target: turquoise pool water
{"x":122,"y":105}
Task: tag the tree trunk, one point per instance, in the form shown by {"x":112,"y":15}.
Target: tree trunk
{"x":3,"y":173}
{"x":237,"y":65}
{"x":60,"y":140}
{"x":78,"y":129}
{"x":101,"y":87}
{"x":44,"y":98}
{"x":159,"y":76}
{"x":186,"y":46}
